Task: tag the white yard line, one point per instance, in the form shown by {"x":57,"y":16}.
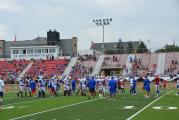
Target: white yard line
{"x":17,"y":98}
{"x":55,"y":109}
{"x":147,"y":106}
{"x":9,"y":98}
{"x":10,"y":107}
{"x":29,"y":100}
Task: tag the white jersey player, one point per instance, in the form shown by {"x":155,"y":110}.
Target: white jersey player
{"x":1,"y":92}
{"x":41,"y":88}
{"x":55,"y":86}
{"x":83,"y":86}
{"x":100,"y":86}
{"x":178,"y":85}
{"x":67,"y":87}
{"x":21,"y":87}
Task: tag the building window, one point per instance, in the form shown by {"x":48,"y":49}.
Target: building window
{"x":43,"y":50}
{"x":24,"y":51}
{"x":21,"y":51}
{"x":46,"y":50}
{"x":29,"y":51}
{"x":115,"y":45}
{"x":52,"y":50}
{"x":38,"y":50}
{"x":15,"y":52}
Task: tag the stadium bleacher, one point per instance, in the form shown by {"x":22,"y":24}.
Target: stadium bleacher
{"x":171,"y":63}
{"x":48,"y":67}
{"x":9,"y":70}
{"x":84,"y":66}
{"x":143,"y":63}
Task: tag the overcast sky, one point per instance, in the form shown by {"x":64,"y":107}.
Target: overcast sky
{"x":154,"y":20}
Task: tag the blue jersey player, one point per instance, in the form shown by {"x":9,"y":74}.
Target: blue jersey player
{"x":147,"y":87}
{"x":32,"y":87}
{"x":73,"y":84}
{"x":91,"y":85}
{"x":112,"y":87}
{"x":133,"y":86}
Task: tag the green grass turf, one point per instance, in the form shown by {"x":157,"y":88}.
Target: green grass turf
{"x":164,"y":113}
{"x":101,"y":109}
{"x":97,"y":110}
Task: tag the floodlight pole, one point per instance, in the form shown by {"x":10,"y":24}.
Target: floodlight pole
{"x":102,"y":22}
{"x":174,"y":47}
{"x":103,"y":40}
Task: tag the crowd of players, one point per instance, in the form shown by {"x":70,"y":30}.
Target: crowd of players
{"x":106,"y":86}
{"x":103,"y":85}
{"x":69,"y":86}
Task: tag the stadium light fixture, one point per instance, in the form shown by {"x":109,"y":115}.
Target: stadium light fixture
{"x":102,"y":22}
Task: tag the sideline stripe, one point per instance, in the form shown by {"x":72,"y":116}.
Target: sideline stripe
{"x":55,"y":109}
{"x":32,"y":100}
{"x":9,"y":98}
{"x":26,"y":101}
{"x":10,"y":107}
{"x":147,"y":106}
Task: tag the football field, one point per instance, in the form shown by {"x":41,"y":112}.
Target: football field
{"x":124,"y":106}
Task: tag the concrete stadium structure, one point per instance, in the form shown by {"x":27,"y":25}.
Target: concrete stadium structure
{"x":66,"y":47}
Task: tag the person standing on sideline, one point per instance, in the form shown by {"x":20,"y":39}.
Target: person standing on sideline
{"x":178,"y":86}
{"x":157,"y":83}
{"x":32,"y":87}
{"x":21,"y":87}
{"x":147,"y":87}
{"x":164,"y":84}
{"x":133,"y":85}
{"x":112,"y":87}
{"x":73,"y":84}
{"x":1,"y":93}
{"x":92,"y":86}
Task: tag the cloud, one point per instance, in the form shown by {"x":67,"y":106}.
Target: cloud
{"x":95,"y":34}
{"x":113,"y":5}
{"x":9,"y":5}
{"x":86,"y":37}
{"x":132,"y":19}
{"x":106,"y":3}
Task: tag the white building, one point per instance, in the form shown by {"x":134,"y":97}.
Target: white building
{"x":35,"y":52}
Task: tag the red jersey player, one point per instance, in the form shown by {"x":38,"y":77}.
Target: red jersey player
{"x":157,"y":83}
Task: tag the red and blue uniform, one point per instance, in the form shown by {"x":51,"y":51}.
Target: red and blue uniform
{"x":32,"y":86}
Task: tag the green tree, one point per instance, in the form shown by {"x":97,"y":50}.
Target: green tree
{"x":142,"y":48}
{"x":111,"y":52}
{"x":130,"y":48}
{"x":168,"y":48}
